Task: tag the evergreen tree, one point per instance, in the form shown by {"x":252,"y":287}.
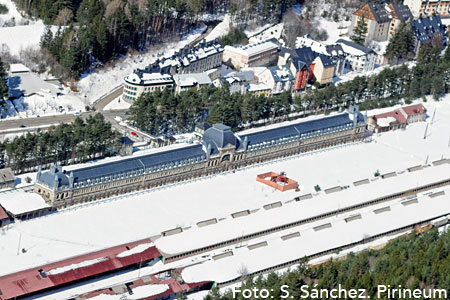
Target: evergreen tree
{"x":3,"y":85}
{"x":359,"y":32}
{"x":401,"y":45}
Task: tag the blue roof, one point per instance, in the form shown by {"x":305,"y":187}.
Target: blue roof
{"x":299,"y":128}
{"x":425,"y":28}
{"x":219,"y":136}
{"x":125,"y":165}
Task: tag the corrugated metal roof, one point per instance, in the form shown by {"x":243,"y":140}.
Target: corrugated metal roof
{"x":52,"y":275}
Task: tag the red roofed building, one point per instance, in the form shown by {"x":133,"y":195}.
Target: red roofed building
{"x":69,"y":271}
{"x":4,"y":218}
{"x":397,"y":119}
{"x":164,"y":285}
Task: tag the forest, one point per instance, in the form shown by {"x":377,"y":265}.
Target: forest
{"x":168,"y":113}
{"x":415,"y":261}
{"x":95,"y":32}
{"x":76,"y":142}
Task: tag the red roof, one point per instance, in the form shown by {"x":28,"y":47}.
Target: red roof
{"x":76,"y":268}
{"x":174,"y":287}
{"x":395,"y":114}
{"x":414,"y":109}
{"x":3,"y":214}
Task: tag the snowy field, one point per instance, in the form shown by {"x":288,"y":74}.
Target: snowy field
{"x":17,"y":32}
{"x":43,"y":104}
{"x":117,"y":103}
{"x":139,"y":215}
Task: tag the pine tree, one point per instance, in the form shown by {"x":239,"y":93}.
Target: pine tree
{"x":401,"y":45}
{"x":360,"y":31}
{"x":3,"y":85}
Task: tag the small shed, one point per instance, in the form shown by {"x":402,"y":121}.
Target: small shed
{"x":7,"y":178}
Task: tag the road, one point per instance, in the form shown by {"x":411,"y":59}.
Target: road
{"x":23,"y":124}
{"x":100,"y":105}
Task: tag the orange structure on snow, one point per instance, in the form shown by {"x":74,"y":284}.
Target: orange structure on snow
{"x":277,"y":181}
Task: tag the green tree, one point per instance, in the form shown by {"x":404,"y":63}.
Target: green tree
{"x":401,"y":45}
{"x":360,"y":31}
{"x":3,"y":85}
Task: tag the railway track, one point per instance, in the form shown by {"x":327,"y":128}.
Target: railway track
{"x":409,"y":192}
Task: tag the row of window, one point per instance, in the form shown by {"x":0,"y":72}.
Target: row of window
{"x":130,"y":87}
{"x":138,"y":172}
{"x":130,"y":93}
{"x":129,"y":97}
{"x":294,"y":138}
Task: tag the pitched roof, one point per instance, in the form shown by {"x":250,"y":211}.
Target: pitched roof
{"x":353,"y":45}
{"x":400,"y":11}
{"x":219,"y":136}
{"x":425,"y":28}
{"x":373,"y":11}
{"x":281,"y":73}
{"x":414,"y":109}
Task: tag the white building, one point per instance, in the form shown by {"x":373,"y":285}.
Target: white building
{"x":359,"y":58}
{"x":279,"y":79}
{"x":142,"y":82}
{"x":252,"y":55}
{"x":428,"y":7}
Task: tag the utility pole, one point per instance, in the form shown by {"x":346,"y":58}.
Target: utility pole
{"x":425,"y":135}
{"x":18,"y":245}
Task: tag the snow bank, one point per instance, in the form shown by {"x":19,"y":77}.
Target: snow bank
{"x":83,"y":264}
{"x":220,"y":30}
{"x":138,"y":249}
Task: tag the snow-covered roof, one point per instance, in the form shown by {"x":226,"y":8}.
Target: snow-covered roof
{"x":188,"y":80}
{"x":18,"y":68}
{"x":253,"y":49}
{"x":19,"y":202}
{"x":311,"y":241}
{"x":149,"y":78}
{"x":385,"y":122}
{"x":353,"y":48}
{"x":230,"y":228}
{"x":258,"y":87}
{"x":28,"y":83}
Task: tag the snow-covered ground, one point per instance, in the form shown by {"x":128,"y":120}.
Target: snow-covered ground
{"x":43,"y":104}
{"x":274,"y":31}
{"x":335,"y":30}
{"x":13,"y":14}
{"x":138,"y":215}
{"x":220,"y":30}
{"x":97,"y":84}
{"x":117,"y":103}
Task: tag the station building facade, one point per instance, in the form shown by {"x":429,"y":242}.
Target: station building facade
{"x":220,"y":150}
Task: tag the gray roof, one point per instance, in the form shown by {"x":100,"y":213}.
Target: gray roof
{"x":281,"y":73}
{"x":356,"y":46}
{"x":379,"y":12}
{"x":295,"y":130}
{"x":326,"y":61}
{"x":6,"y":175}
{"x":124,"y":166}
{"x":219,"y":136}
{"x":425,"y":28}
{"x":403,"y":12}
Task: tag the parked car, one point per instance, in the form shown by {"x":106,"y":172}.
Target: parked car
{"x":134,"y":133}
{"x":77,"y":113}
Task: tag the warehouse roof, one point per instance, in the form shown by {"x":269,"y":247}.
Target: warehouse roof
{"x":73,"y":269}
